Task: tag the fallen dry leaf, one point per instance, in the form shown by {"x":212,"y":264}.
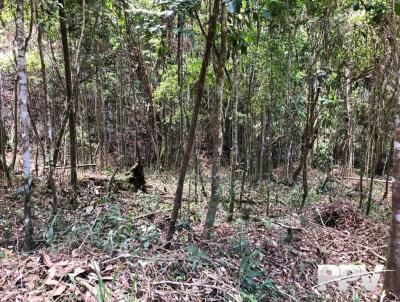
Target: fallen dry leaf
{"x":50,"y":277}
{"x":51,"y":282}
{"x":46,"y":260}
{"x":59,"y":290}
{"x":77,"y":271}
{"x":62,"y":271}
{"x":88,"y":297}
{"x":87,"y":285}
{"x":62,"y":263}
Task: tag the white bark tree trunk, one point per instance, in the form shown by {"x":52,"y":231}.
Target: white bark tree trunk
{"x":24,"y":115}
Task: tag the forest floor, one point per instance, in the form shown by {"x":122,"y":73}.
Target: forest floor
{"x":111,"y":248}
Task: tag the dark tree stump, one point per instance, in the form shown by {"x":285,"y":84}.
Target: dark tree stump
{"x":136,"y":177}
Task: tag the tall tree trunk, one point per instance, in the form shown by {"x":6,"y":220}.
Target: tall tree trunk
{"x":234,"y":152}
{"x":349,"y":119}
{"x":392,"y":273}
{"x":136,"y":149}
{"x":248,"y":132}
{"x":180,"y":83}
{"x":267,"y":117}
{"x":68,"y":87}
{"x":310,"y":131}
{"x":87,"y":122}
{"x":48,"y":126}
{"x":121,"y":126}
{"x":374,"y":156}
{"x":262,"y":147}
{"x":23,"y":101}
{"x":389,"y":164}
{"x":60,"y":134}
{"x":82,"y":157}
{"x":3,"y":137}
{"x":268,"y":146}
{"x":305,"y":180}
{"x":103,"y":124}
{"x":192,"y":132}
{"x":288,"y":95}
{"x":288,"y":162}
{"x":217,"y":129}
{"x":361,"y":187}
{"x":99,"y":123}
{"x":15,"y":128}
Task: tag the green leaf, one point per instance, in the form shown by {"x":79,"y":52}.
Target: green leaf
{"x":266,"y":14}
{"x":397,"y":7}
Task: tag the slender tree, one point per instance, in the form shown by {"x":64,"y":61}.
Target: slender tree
{"x":47,"y":120}
{"x":196,"y":106}
{"x":23,"y":102}
{"x":98,"y":97}
{"x":217,"y":128}
{"x":3,"y":160}
{"x":234,"y":151}
{"x":392,"y":274}
{"x":68,"y":86}
{"x":15,"y":125}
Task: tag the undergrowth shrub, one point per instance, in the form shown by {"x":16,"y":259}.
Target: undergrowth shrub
{"x":381,"y":212}
{"x":327,"y":186}
{"x":113,"y":230}
{"x":252,"y":279}
{"x":197,"y":257}
{"x":296,"y":195}
{"x":323,"y":155}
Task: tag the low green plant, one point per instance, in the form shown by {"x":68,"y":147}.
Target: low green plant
{"x":50,"y":233}
{"x":249,"y":269}
{"x":149,"y":235}
{"x":295,"y":196}
{"x":197,"y":257}
{"x":250,"y":276}
{"x":246,"y":297}
{"x":250,"y":273}
{"x":313,"y":196}
{"x":264,"y":192}
{"x":267,"y":223}
{"x":133,"y":290}
{"x":327,"y":186}
{"x":380,"y":213}
{"x":323,"y":155}
{"x":113,"y":230}
{"x":304,"y":221}
{"x":246,"y":212}
{"x":103,"y":293}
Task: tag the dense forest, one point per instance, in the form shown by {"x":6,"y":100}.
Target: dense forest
{"x":199,"y":150}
